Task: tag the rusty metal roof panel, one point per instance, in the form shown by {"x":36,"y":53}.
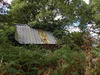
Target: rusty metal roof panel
{"x":51,"y":37}
{"x":37,"y":37}
{"x":26,"y":35}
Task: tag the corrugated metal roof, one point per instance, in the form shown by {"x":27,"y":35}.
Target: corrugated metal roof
{"x":26,"y":35}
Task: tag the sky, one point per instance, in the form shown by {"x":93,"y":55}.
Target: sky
{"x":9,"y":1}
{"x":87,"y":1}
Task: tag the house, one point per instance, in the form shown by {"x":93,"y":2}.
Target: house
{"x":27,"y":35}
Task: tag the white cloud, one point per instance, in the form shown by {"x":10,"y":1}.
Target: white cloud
{"x":58,"y":17}
{"x":1,"y":5}
{"x":87,"y":1}
{"x":73,"y":29}
{"x":8,"y":1}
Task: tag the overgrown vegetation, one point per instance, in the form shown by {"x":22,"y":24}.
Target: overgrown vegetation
{"x":77,"y":56}
{"x":33,"y":60}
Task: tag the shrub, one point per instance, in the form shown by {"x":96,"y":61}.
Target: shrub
{"x":19,"y":60}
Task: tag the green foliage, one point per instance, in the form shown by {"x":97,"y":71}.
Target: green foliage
{"x":74,"y":40}
{"x":6,"y":35}
{"x":38,"y":14}
{"x":18,"y":60}
{"x":59,"y":33}
{"x":42,"y":14}
{"x":3,"y":18}
{"x":32,"y":60}
{"x":96,"y":51}
{"x":95,"y":4}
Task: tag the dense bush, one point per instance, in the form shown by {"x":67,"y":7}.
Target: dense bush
{"x":20,"y":61}
{"x":33,"y":60}
{"x":64,"y":61}
{"x":6,"y":35}
{"x":74,"y":40}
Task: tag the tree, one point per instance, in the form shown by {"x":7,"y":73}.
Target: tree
{"x":42,"y":13}
{"x":36,"y":13}
{"x":95,"y":4}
